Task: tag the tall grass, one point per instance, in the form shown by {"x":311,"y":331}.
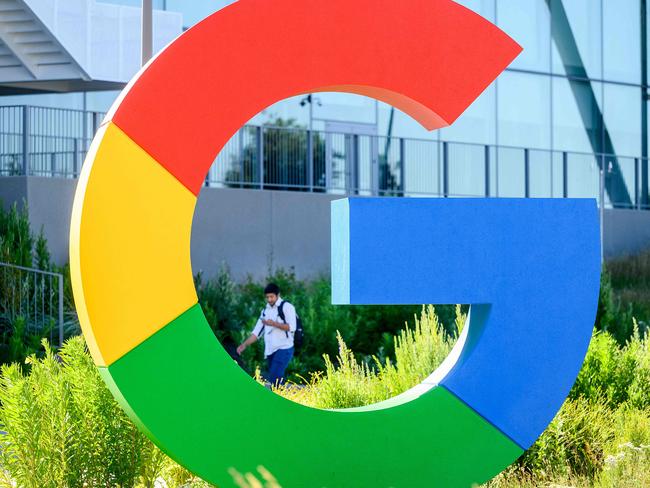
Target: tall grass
{"x":64,"y":428}
{"x":628,"y":294}
{"x":233,"y":308}
{"x":349,"y":382}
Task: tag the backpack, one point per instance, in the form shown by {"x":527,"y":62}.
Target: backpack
{"x":299,"y":334}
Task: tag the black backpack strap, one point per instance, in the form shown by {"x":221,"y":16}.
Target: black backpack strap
{"x":281,"y":315}
{"x":281,"y":311}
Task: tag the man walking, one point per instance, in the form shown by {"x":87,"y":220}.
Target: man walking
{"x":276,"y":325}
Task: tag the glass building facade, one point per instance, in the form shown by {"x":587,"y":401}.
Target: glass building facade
{"x":572,"y":104}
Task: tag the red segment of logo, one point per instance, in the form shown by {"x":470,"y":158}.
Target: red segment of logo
{"x":204,"y":86}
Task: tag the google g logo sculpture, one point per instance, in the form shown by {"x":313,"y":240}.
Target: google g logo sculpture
{"x":530,"y":268}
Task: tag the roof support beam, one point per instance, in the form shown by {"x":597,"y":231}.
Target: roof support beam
{"x":587,"y":103}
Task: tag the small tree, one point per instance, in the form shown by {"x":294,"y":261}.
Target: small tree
{"x":286,"y":159}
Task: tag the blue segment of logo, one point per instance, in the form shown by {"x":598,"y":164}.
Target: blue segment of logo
{"x":530,"y":269}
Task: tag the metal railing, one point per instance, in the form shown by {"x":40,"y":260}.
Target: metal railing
{"x":34,"y":296}
{"x":319,"y":161}
{"x":42,"y":141}
{"x":53,"y":142}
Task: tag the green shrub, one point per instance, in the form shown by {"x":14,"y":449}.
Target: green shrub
{"x":233,"y":308}
{"x":65,"y":429}
{"x":630,"y":293}
{"x":574,"y":444}
{"x":348,"y":382}
{"x":614,"y":374}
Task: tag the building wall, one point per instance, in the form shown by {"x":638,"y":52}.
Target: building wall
{"x":252,"y":231}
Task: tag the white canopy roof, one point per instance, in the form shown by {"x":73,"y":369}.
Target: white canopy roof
{"x":72,"y":45}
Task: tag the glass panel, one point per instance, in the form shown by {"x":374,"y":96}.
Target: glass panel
{"x":540,"y":182}
{"x":423,"y":174}
{"x":528,"y":22}
{"x":576,"y":115}
{"x":557,"y":175}
{"x":345,"y":107}
{"x":466,"y":170}
{"x":524,"y":110}
{"x":583,"y":31}
{"x":623,"y":172}
{"x":511,"y":172}
{"x":196,"y":10}
{"x":389,"y":156}
{"x":622,"y":35}
{"x":477,"y":123}
{"x":582,"y":176}
{"x":623,"y":118}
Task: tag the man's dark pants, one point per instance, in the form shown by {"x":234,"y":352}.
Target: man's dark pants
{"x":276,"y":364}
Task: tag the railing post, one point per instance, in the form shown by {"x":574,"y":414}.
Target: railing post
{"x":402,"y":166}
{"x":241,"y":156}
{"x":445,"y":169}
{"x":637,"y":196}
{"x":260,"y":155}
{"x":602,"y":210}
{"x":60,"y":310}
{"x":354,"y":171}
{"x":526,"y":173}
{"x":52,"y":164}
{"x":565,"y":175}
{"x":75,"y":157}
{"x":26,"y":140}
{"x":328,"y":162}
{"x":310,"y":160}
{"x":487,"y":171}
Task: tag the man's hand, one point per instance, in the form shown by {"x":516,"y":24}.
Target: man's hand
{"x":277,"y":325}
{"x":241,"y":349}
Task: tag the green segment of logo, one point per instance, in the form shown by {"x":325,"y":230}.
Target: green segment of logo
{"x":186,"y":393}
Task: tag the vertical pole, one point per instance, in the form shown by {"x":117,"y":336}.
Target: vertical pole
{"x":445,"y":169}
{"x":25,"y":140}
{"x":602,"y":211}
{"x":60,"y":310}
{"x":487,"y":171}
{"x":637,"y":199}
{"x":95,"y":123}
{"x":310,"y":159}
{"x":260,"y":155}
{"x":402,"y":166}
{"x":241,"y":157}
{"x":526,"y":173}
{"x":147,"y":31}
{"x":328,"y":161}
{"x":355,"y":166}
{"x":75,"y":157}
{"x":565,"y":175}
{"x":644,"y":197}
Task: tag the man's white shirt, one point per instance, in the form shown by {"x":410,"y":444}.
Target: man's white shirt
{"x":275,"y":338}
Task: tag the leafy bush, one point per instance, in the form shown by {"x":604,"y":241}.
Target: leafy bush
{"x":616,"y":375}
{"x":626,"y":295}
{"x":352,"y":383}
{"x":574,"y":444}
{"x":233,"y":308}
{"x":22,"y":322}
{"x":65,"y":429}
